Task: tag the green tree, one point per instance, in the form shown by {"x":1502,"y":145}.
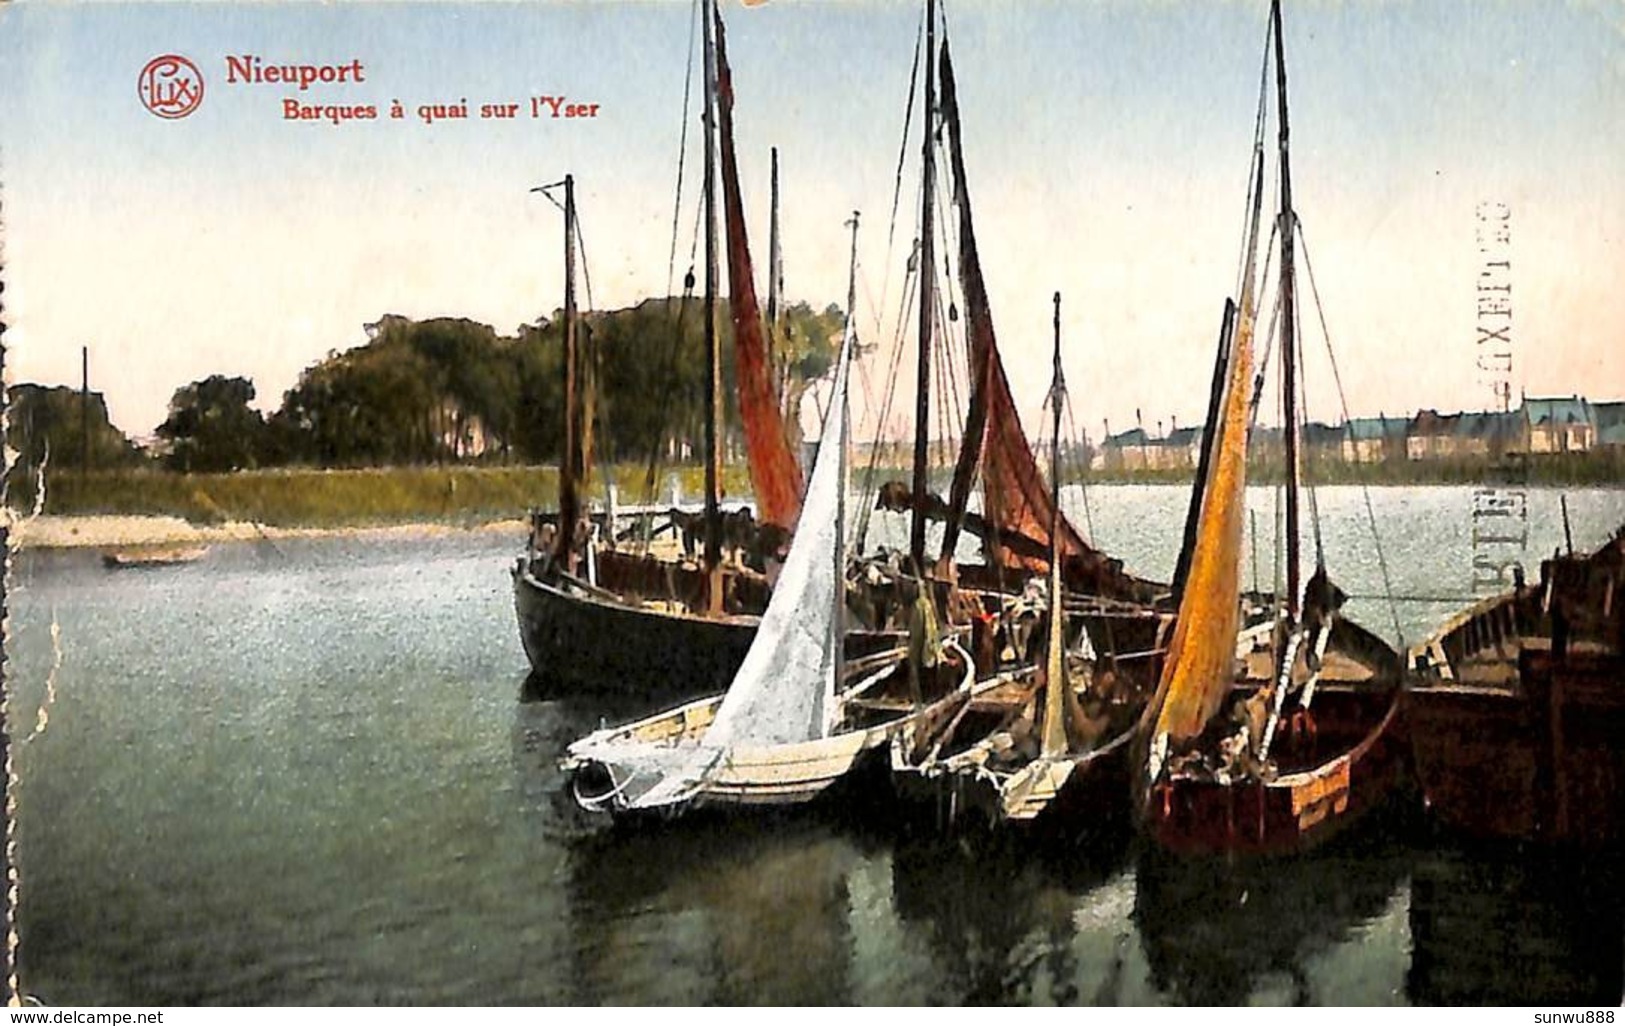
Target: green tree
{"x":805,"y":348}
{"x":211,"y":427}
{"x":43,"y":418}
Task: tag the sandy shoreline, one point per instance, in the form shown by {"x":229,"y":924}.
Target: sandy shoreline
{"x":111,"y":532}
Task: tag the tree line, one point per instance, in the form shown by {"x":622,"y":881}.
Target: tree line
{"x":447,"y":390}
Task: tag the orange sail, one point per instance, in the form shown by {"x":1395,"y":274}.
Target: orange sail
{"x":775,"y":473}
{"x":1017,"y":498}
{"x":1200,"y":665}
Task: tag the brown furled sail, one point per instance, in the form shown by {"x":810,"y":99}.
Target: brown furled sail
{"x":1018,"y":500}
{"x":775,"y":473}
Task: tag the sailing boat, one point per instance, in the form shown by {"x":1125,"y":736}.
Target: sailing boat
{"x":785,"y":730}
{"x":1015,"y":744}
{"x":1228,"y":765}
{"x":1113,"y":606}
{"x":593,"y":625}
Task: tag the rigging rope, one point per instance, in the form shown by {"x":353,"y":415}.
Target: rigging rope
{"x":1254,"y":172}
{"x":902,"y":153}
{"x":1342,"y":398}
{"x":1269,"y":345}
{"x":1083,"y":469}
{"x":1303,"y":436}
{"x":868,"y":487}
{"x":682,"y":147}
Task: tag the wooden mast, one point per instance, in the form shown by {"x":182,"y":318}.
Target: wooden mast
{"x":928,"y":298}
{"x":1053,"y":741}
{"x":776,"y":359}
{"x":713,"y":350}
{"x":774,"y":256}
{"x":852,"y":276}
{"x":571,"y":466}
{"x":1289,"y":335}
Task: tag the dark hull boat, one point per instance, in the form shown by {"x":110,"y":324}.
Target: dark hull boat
{"x":1517,"y":713}
{"x":616,"y":620}
{"x":980,"y":759}
{"x":595,"y":638}
{"x":633,"y":614}
{"x":582,"y":637}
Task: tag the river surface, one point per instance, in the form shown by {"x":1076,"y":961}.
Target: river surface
{"x":312,"y":772}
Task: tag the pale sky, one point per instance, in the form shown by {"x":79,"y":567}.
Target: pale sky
{"x":1107,"y":146}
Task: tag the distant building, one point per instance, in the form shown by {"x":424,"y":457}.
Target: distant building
{"x":1183,"y":447}
{"x":1610,"y":421}
{"x":1373,"y":440}
{"x":1432,"y":435}
{"x":1557,"y":425}
{"x":1485,"y":434}
{"x":1127,"y":450}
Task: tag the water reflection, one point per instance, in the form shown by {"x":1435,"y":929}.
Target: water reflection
{"x":712,"y":910}
{"x":1226,"y":933}
{"x":1499,"y":927}
{"x":1000,"y":914}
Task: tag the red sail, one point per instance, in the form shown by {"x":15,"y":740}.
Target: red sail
{"x":775,"y":473}
{"x":1017,"y":498}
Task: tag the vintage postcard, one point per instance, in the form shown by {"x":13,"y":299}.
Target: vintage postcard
{"x":888,"y":502}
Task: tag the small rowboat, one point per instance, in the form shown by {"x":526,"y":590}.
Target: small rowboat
{"x":144,"y":557}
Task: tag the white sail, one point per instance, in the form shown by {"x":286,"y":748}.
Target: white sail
{"x":784,"y":691}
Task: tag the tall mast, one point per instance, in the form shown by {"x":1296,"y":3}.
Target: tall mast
{"x":1289,"y":336}
{"x":852,"y":277}
{"x":571,"y":465}
{"x":775,"y":358}
{"x":713,"y":350}
{"x":841,"y":416}
{"x":928,"y":298}
{"x":1053,"y":741}
{"x":84,"y":409}
{"x":774,"y":258}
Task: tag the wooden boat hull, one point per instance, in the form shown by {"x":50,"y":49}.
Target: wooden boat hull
{"x":971,"y":780}
{"x":1293,"y":812}
{"x":783,"y":774}
{"x":1518,"y":710}
{"x":750,"y":775}
{"x":1534,"y":757}
{"x":578,"y":641}
{"x":790,"y":774}
{"x":1360,"y":767}
{"x":1044,"y":794}
{"x":581,"y":642}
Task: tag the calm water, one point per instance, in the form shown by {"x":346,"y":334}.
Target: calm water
{"x":311,"y":773}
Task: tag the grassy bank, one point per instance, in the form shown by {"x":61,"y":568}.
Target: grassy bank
{"x":337,"y":498}
{"x":345,"y":498}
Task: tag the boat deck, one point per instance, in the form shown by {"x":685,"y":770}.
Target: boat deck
{"x":1336,"y":667}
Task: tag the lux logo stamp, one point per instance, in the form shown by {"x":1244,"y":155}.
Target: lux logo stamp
{"x":170,"y":86}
